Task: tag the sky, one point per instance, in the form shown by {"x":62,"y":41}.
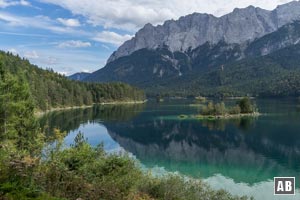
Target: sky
{"x":79,"y":35}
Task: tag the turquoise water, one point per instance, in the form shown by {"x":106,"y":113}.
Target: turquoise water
{"x":238,"y":155}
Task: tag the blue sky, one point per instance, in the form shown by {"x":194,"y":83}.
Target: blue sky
{"x":79,"y":35}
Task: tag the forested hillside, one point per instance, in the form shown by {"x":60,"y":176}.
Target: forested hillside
{"x":50,"y":89}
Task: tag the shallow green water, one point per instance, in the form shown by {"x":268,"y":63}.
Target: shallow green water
{"x":239,"y":155}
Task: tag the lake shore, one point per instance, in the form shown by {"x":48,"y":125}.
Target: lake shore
{"x":41,"y":113}
{"x":216,"y":117}
{"x":123,"y":102}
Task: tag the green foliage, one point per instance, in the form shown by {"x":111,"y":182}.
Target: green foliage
{"x":220,"y":108}
{"x":70,"y":121}
{"x":16,"y":111}
{"x":31,"y":169}
{"x":176,"y":187}
{"x":243,"y":106}
{"x":235,"y":110}
{"x":209,"y":109}
{"x":246,"y":105}
{"x":214,"y":109}
{"x":89,"y":173}
{"x":82,"y":171}
{"x":51,"y":90}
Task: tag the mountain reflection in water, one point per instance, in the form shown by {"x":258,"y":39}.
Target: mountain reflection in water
{"x":245,"y":152}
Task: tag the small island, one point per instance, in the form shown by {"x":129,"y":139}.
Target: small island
{"x":211,"y":111}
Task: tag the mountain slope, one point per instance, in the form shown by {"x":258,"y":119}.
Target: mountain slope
{"x":193,"y":30}
{"x":79,"y":76}
{"x":277,"y":74}
{"x":256,"y":68}
{"x":145,"y":67}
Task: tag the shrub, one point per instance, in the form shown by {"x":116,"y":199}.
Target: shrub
{"x":214,"y":109}
{"x":220,"y":109}
{"x":82,"y":171}
{"x":235,"y":110}
{"x":209,"y":109}
{"x":246,"y":105}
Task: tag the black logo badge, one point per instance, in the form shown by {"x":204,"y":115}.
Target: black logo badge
{"x":284,"y":186}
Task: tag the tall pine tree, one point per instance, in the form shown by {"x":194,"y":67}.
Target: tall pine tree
{"x":17,"y":120}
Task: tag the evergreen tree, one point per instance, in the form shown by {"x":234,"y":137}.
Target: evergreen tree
{"x":245,"y":105}
{"x":17,"y":120}
{"x":50,"y":90}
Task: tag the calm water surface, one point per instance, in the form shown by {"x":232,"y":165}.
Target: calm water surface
{"x":239,"y":155}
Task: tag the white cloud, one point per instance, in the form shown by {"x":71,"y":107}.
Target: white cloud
{"x":85,"y":70}
{"x":49,"y":60}
{"x":23,"y":34}
{"x":31,"y":55}
{"x":4,"y":3}
{"x":111,"y":37}
{"x":40,"y":22}
{"x":133,"y":14}
{"x":69,"y":22}
{"x":74,"y":44}
{"x":63,"y":73}
{"x":7,"y":3}
{"x":24,"y":3}
{"x":13,"y":51}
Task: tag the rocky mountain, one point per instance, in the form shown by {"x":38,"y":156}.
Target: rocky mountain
{"x":191,"y":31}
{"x":79,"y":76}
{"x":265,"y":62}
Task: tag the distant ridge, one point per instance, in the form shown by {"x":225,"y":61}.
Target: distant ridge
{"x":79,"y":76}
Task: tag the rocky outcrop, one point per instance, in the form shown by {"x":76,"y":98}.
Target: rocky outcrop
{"x":191,"y":31}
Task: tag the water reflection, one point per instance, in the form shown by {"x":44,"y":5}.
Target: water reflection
{"x":260,"y":191}
{"x":244,"y":123}
{"x":100,"y":136}
{"x":192,"y":149}
{"x":70,"y":120}
{"x":246,"y":153}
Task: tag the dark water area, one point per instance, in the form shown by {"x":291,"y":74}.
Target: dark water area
{"x":239,"y":155}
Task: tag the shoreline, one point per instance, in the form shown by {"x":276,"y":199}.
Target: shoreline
{"x":227,"y":116}
{"x":217,"y":117}
{"x":41,"y":113}
{"x":122,"y":102}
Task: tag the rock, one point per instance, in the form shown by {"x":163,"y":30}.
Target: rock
{"x":193,"y":30}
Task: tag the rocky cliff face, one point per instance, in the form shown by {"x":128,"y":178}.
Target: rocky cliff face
{"x":189,"y":32}
{"x":146,"y":67}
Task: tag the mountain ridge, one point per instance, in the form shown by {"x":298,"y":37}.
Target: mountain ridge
{"x":213,"y":69}
{"x":193,"y":30}
{"x":79,"y":76}
{"x":265,"y":66}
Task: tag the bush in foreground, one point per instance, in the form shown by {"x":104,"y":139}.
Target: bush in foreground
{"x":82,"y":171}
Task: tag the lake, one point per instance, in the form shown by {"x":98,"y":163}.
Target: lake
{"x":241,"y":156}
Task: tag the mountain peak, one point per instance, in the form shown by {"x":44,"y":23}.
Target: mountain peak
{"x":188,"y":32}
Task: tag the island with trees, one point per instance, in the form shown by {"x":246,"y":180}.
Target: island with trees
{"x":212,"y":111}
